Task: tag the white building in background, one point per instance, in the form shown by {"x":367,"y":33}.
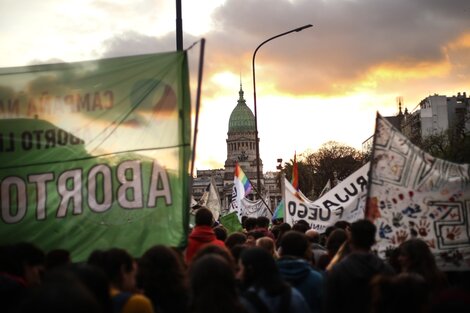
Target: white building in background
{"x":434,"y":115}
{"x":241,"y":148}
{"x":440,"y":113}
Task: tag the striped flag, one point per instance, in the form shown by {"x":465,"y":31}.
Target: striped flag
{"x":241,"y":188}
{"x":295,"y":173}
{"x":279,"y":211}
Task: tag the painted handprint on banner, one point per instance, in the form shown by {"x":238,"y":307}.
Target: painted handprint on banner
{"x":424,"y":227}
{"x":412,"y":210}
{"x":397,"y":219}
{"x":453,"y":232}
{"x":431,"y":243}
{"x":384,"y":230}
{"x":399,"y":237}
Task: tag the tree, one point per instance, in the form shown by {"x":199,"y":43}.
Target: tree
{"x":448,"y":145}
{"x":306,"y":176}
{"x":330,"y":160}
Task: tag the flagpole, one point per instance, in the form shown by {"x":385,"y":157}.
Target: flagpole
{"x":198,"y":103}
{"x":283,"y":193}
{"x":252,"y":186}
{"x":369,"y":173}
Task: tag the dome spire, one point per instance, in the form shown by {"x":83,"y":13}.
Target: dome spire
{"x":241,"y":100}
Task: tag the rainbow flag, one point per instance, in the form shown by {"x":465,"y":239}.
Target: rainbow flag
{"x":240,"y":176}
{"x":241,"y":187}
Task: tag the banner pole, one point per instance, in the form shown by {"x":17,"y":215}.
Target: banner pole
{"x":264,"y":202}
{"x":367,"y":210}
{"x":198,"y":103}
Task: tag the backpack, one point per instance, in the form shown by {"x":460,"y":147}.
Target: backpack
{"x":120,"y":300}
{"x":261,"y":307}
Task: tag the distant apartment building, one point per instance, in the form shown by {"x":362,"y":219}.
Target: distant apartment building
{"x":434,"y":115}
{"x":438,"y":114}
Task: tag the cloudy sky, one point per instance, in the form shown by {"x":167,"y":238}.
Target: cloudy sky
{"x":325,"y":83}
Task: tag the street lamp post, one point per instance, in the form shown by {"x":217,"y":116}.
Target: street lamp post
{"x":258,"y":180}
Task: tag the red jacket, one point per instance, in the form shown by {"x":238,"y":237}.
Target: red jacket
{"x":199,"y":237}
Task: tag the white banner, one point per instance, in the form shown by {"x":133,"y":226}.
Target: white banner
{"x":413,"y":194}
{"x":211,"y":199}
{"x":255,"y":208}
{"x":346,"y":201}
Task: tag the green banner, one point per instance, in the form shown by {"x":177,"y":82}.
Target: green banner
{"x":95,"y":154}
{"x":231,"y":223}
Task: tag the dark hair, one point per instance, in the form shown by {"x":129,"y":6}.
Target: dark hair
{"x":250,"y":223}
{"x":262,"y":221}
{"x":14,"y":257}
{"x":405,"y":293}
{"x":57,"y":258}
{"x":61,"y":291}
{"x":421,"y":261}
{"x":204,"y":217}
{"x":237,"y":238}
{"x":363,"y":234}
{"x":220,"y":232}
{"x":112,"y":262}
{"x":218,"y":250}
{"x":261,"y":271}
{"x":213,"y":286}
{"x":335,"y":240}
{"x":342,"y":224}
{"x":294,"y":243}
{"x":255,"y":234}
{"x":163,"y":278}
{"x":301,"y":226}
{"x":95,"y":280}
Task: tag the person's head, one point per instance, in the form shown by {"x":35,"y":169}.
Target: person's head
{"x":220,"y":232}
{"x":262,"y":222}
{"x":362,"y":235}
{"x":237,"y":238}
{"x":301,"y":226}
{"x":57,"y":258}
{"x":61,"y":291}
{"x":335,"y":240}
{"x":159,"y":267}
{"x":313,"y":236}
{"x":204,"y":217}
{"x":252,"y":236}
{"x":406,"y":293}
{"x":295,"y":244}
{"x":344,"y":225}
{"x":95,"y":280}
{"x":249,"y":224}
{"x":162,"y":277}
{"x":211,"y":249}
{"x":415,"y":254}
{"x":258,"y":268}
{"x":213,"y":285}
{"x":118,"y":265}
{"x":268,"y":244}
{"x":25,"y":260}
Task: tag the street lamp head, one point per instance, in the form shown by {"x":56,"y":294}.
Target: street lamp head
{"x":303,"y":27}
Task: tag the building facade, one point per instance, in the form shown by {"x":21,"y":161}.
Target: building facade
{"x":241,"y":148}
{"x":435,"y":115}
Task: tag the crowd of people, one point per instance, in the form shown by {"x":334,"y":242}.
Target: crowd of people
{"x":264,"y":269}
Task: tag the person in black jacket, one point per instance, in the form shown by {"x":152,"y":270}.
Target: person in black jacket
{"x":347,"y":284}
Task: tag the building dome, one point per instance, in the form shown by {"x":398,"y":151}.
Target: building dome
{"x":241,"y":119}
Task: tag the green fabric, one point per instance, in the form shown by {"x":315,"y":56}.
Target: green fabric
{"x":231,"y":223}
{"x":95,"y":154}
